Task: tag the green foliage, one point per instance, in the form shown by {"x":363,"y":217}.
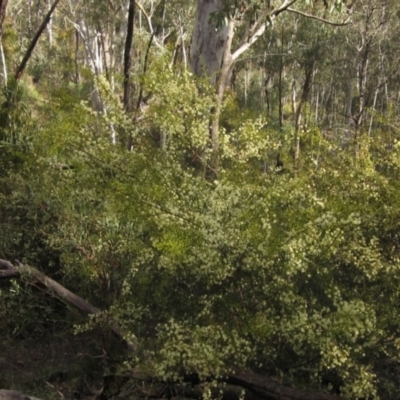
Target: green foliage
{"x":289,"y":272}
{"x":180,"y":108}
{"x":294,"y":276}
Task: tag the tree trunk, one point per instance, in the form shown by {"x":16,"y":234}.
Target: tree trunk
{"x":127,"y":54}
{"x":209,"y":42}
{"x":303,"y":99}
{"x":210,"y":57}
{"x":3,"y":9}
{"x":211,"y":49}
{"x":221,"y":82}
{"x":29,"y":51}
{"x":76,"y":58}
{"x":3,"y":63}
{"x":49,"y":25}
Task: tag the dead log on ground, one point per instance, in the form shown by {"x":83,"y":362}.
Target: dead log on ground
{"x":261,"y":387}
{"x":34,"y":276}
{"x":14,"y":395}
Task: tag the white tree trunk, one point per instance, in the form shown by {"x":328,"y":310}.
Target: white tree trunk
{"x":208,"y":41}
{"x":3,"y":62}
{"x":50,"y":25}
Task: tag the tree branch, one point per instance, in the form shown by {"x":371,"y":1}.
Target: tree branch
{"x":283,"y":7}
{"x":326,"y":21}
{"x":149,"y":23}
{"x":249,"y":42}
{"x":254,"y":32}
{"x":28,"y":54}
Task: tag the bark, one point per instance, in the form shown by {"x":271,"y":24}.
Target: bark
{"x":33,"y":277}
{"x":49,"y":25}
{"x":29,"y":51}
{"x":210,"y":57}
{"x":208,"y":42}
{"x":127,"y":54}
{"x":240,"y":384}
{"x":303,"y":99}
{"x":14,"y":395}
{"x":268,"y":389}
{"x":3,"y":9}
{"x":222,"y":80}
{"x":349,"y":104}
{"x":77,"y":74}
{"x":140,"y":96}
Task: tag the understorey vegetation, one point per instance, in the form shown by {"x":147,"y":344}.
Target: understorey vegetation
{"x":170,"y":228}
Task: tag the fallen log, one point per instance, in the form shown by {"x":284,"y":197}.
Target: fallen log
{"x":253,"y":384}
{"x":268,"y":389}
{"x":34,"y":276}
{"x":239,"y":384}
{"x":14,"y":395}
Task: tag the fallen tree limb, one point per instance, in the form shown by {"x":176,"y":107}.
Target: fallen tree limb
{"x":240,"y":384}
{"x":13,"y":395}
{"x":34,"y":276}
{"x":268,"y":389}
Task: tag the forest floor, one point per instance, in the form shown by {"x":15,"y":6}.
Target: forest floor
{"x":51,"y":367}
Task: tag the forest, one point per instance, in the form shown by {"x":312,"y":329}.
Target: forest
{"x":199,"y":199}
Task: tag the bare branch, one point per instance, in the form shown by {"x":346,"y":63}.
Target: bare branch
{"x":255,"y":32}
{"x":149,"y":23}
{"x":326,"y":21}
{"x":28,"y":53}
{"x":283,"y":7}
{"x":249,"y":42}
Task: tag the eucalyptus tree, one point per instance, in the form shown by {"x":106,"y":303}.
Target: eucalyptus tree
{"x":224,"y":30}
{"x":365,"y":41}
{"x":3,"y":8}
